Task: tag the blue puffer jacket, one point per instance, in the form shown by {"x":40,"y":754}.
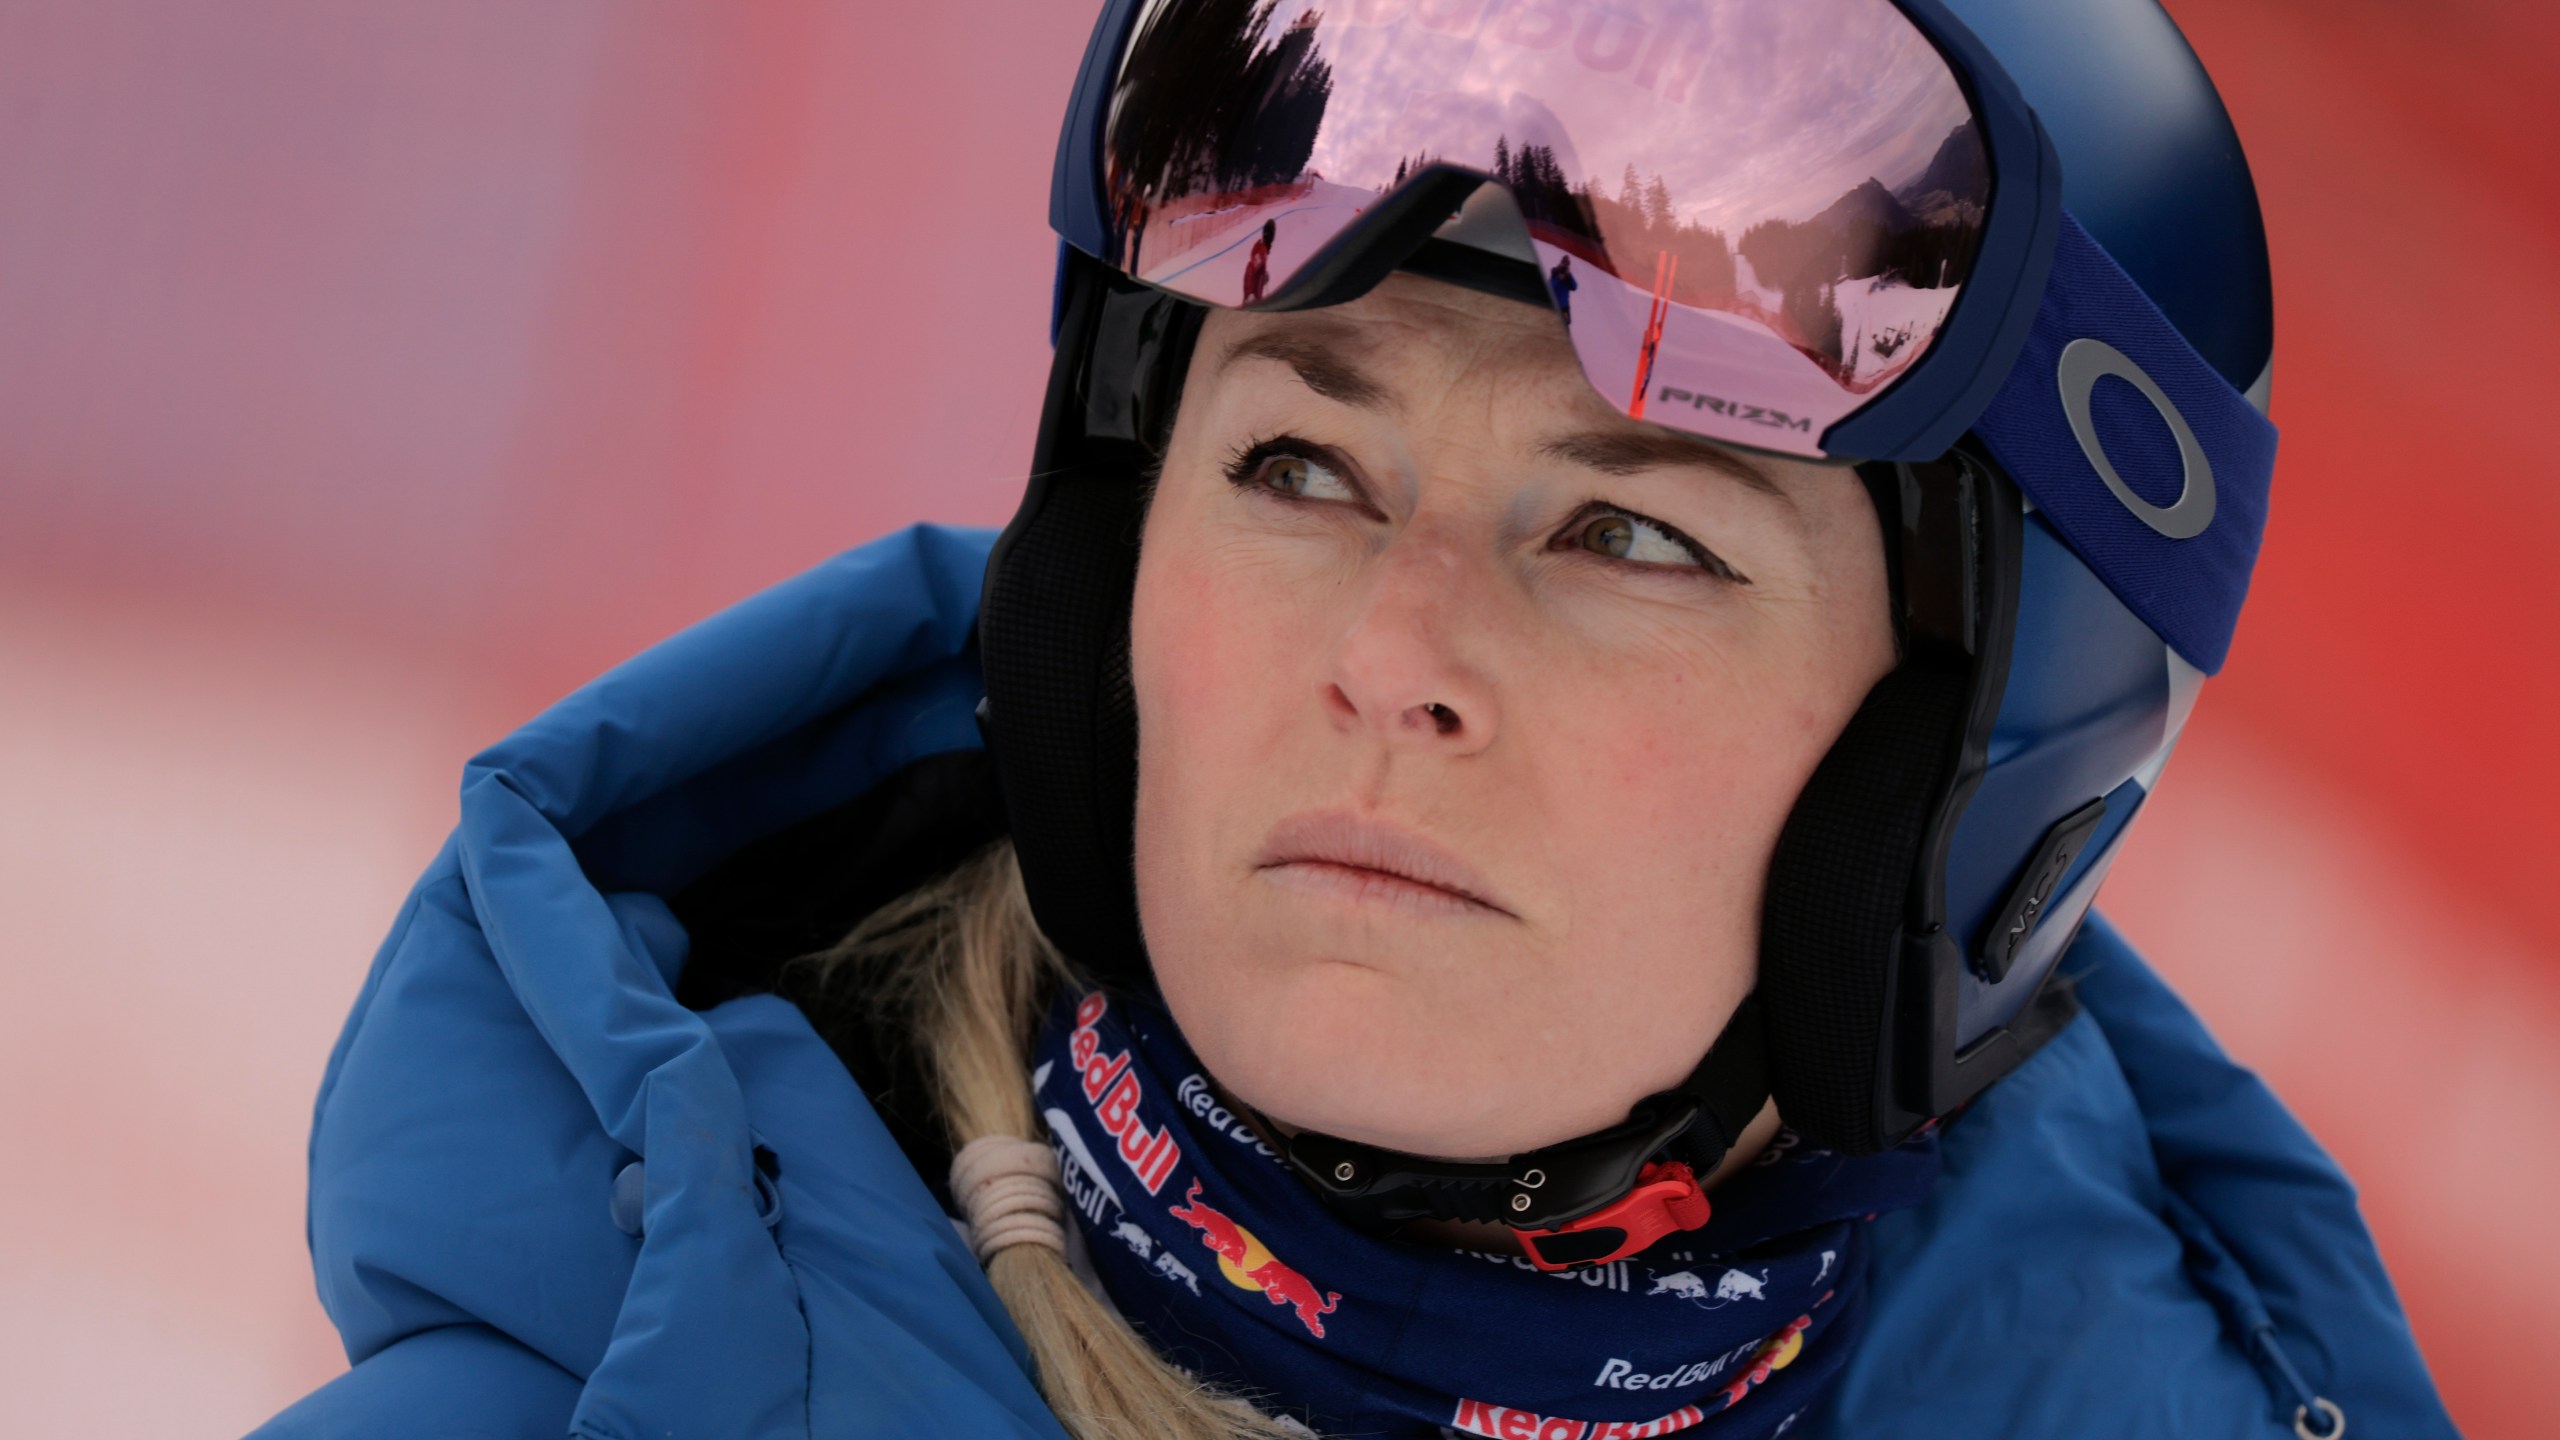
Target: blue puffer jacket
{"x":2122,"y":1228}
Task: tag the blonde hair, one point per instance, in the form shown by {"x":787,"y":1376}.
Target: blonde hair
{"x":953,"y":979}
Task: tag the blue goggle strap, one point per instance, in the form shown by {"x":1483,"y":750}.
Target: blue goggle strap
{"x":2152,"y":468}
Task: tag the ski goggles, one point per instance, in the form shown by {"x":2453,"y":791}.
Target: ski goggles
{"x":1816,"y":227}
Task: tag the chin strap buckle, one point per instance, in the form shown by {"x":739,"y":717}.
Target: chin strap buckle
{"x":1667,"y":1197}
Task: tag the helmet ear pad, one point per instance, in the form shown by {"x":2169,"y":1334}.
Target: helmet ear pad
{"x":1857,"y":969}
{"x":1053,"y":625}
{"x":1838,"y":895}
{"x":1859,"y":965}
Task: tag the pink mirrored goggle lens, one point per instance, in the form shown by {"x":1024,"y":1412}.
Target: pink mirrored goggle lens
{"x":1753,"y":215}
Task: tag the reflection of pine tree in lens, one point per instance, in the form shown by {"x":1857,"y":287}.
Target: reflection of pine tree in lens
{"x":1923,"y":235}
{"x":1609,"y":231}
{"x":1814,"y":311}
{"x":1209,"y":99}
{"x":1287,"y":86}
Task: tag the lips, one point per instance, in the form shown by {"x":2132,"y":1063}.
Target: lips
{"x":1337,"y":852}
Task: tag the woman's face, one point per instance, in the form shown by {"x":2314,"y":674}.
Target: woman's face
{"x":1468,"y":714}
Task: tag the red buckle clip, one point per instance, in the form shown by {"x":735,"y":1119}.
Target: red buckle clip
{"x":1666,"y":1198}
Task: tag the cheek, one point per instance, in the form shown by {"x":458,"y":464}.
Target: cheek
{"x":1655,"y":808}
{"x":1665,"y":812}
{"x":1202,"y":646}
{"x":1211,"y":645}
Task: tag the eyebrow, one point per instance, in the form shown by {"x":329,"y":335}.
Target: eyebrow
{"x":1615,"y":452}
{"x":1320,"y":366}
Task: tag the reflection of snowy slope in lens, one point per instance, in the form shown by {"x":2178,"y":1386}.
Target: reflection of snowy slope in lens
{"x":1203,"y":251}
{"x":1730,"y":374}
{"x":1887,"y":326}
{"x":1717,"y":374}
{"x":1749,"y":292}
{"x":1086,"y":1188}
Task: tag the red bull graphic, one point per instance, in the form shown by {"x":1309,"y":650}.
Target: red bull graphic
{"x":1248,"y":1265}
{"x":1113,"y":1091}
{"x":1729,"y":1287}
{"x":1475,"y":1417}
{"x":1779,"y":1352}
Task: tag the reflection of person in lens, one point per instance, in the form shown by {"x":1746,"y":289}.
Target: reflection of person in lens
{"x":1561,"y":284}
{"x":1257,"y":264}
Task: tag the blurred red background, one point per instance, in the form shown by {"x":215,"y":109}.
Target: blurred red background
{"x":371,"y":375}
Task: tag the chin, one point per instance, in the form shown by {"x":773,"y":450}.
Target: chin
{"x":1362,"y":1054}
{"x":1393,"y":1106}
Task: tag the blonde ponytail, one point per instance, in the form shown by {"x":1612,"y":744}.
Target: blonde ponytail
{"x":958,"y":972}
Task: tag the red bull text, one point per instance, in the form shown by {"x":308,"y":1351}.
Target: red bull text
{"x":1113,"y":1091}
{"x":1621,"y":1374}
{"x":1475,"y":1417}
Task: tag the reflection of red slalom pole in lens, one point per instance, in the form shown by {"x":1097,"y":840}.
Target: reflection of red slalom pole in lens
{"x":1257,"y":263}
{"x":1665,"y":266}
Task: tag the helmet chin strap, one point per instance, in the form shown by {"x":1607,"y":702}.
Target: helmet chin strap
{"x":1583,"y":1202}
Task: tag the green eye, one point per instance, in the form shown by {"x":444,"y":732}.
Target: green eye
{"x":1288,"y":474}
{"x":1299,"y":477}
{"x":1619,"y":535}
{"x":1610,"y":535}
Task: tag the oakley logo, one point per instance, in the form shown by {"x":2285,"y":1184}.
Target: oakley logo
{"x":1736,"y":410}
{"x":2084,"y":364}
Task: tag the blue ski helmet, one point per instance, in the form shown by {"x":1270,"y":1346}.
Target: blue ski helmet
{"x":2073,"y":485}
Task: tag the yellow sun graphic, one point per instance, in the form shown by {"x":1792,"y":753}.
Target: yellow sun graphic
{"x":1255,"y":1257}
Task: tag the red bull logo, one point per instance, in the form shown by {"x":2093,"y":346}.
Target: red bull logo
{"x":1247,"y":1265}
{"x":1475,"y":1417}
{"x":1777,"y":1353}
{"x":1112,"y":1088}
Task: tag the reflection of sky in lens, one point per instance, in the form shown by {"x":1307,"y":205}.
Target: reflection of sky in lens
{"x":1782,"y":106}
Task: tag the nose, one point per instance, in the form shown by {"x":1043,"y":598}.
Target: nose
{"x":1407,"y":668}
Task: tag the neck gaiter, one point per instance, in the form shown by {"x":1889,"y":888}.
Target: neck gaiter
{"x":1238,"y":1274}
